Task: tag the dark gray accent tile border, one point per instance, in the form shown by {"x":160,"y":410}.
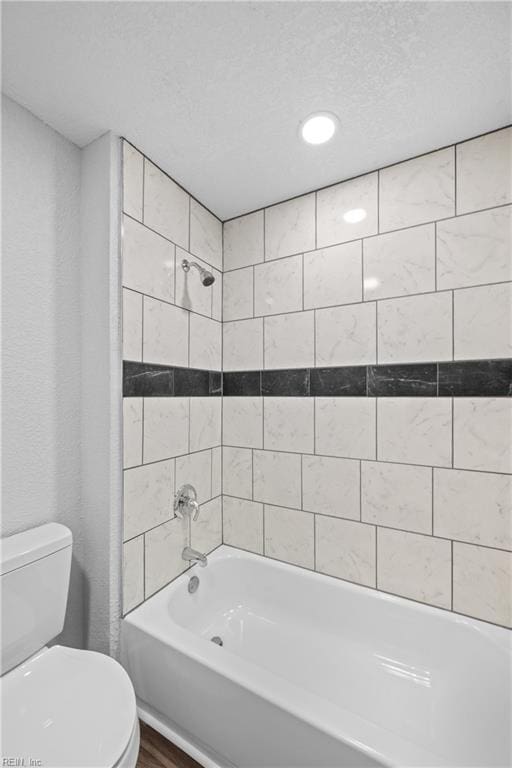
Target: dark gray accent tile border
{"x":471,"y":378}
{"x":415,"y":380}
{"x":151,"y":380}
{"x":476,"y":378}
{"x":349,"y":381}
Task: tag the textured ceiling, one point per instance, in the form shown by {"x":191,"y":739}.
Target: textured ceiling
{"x":214,"y":92}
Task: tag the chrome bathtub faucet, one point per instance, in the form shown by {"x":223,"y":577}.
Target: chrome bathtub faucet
{"x":193,"y":556}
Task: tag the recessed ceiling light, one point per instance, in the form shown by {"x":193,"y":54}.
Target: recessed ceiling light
{"x":354,"y":215}
{"x":319,"y":128}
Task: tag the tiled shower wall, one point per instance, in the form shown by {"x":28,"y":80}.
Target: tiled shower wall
{"x":357,"y":438}
{"x":172,"y":352}
{"x":367,"y":419}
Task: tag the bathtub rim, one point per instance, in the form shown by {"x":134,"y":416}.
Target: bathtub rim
{"x":390,"y":749}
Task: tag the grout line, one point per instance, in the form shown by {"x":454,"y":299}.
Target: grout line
{"x":356,"y":458}
{"x":451,"y":575}
{"x":365,"y":523}
{"x":368,"y":172}
{"x":453,"y":431}
{"x":378,"y":199}
{"x":432,"y":494}
{"x":435,"y":257}
{"x":143,"y":186}
{"x":357,"y":239}
{"x":376,"y":556}
{"x":149,"y":160}
{"x":302,"y":280}
{"x":301,"y":482}
{"x":361,"y":490}
{"x":264,"y":233}
{"x":171,"y":303}
{"x":455,"y":189}
{"x":314,"y":541}
{"x":316,"y":220}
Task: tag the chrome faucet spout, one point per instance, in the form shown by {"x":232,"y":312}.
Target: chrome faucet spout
{"x":193,"y":556}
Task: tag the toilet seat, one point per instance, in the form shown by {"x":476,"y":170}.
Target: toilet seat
{"x":68,"y":708}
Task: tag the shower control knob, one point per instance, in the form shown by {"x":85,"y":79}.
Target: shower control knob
{"x":185,"y":502}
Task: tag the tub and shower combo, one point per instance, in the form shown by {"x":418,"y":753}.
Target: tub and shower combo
{"x":267,"y":664}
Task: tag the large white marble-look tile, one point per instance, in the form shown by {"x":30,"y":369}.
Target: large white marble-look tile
{"x":166,"y":425}
{"x":243,"y":241}
{"x":289,"y":424}
{"x":345,"y":426}
{"x":331,"y":486}
{"x":397,"y":496}
{"x":483,"y":171}
{"x":133,"y":573}
{"x":290,"y":340}
{"x":473,"y":506}
{"x":132,"y":325}
{"x":216,"y":471}
{"x":475,"y":249}
{"x":483,"y":322}
{"x":205,"y":422}
{"x":196,"y":469}
{"x":163,"y":554}
{"x":133,"y":174}
{"x":166,"y":205}
{"x":206,"y":531}
{"x":205,"y":343}
{"x":290,"y":536}
{"x":414,"y":566}
{"x":346,"y":335}
{"x":482,"y":581}
{"x":132,"y":431}
{"x":243,"y":345}
{"x":165,"y":333}
{"x":333,"y":276}
{"x":243,"y":524}
{"x":290,"y":227}
{"x":148,"y":497}
{"x":278,"y":286}
{"x":238,"y":294}
{"x":237,"y":472}
{"x":481,"y":433}
{"x":400,"y":263}
{"x":418,"y":190}
{"x":346,"y":549}
{"x":148,"y":261}
{"x":205,"y":234}
{"x":190,"y":292}
{"x":277,"y":478}
{"x":415,"y":328}
{"x":243,"y":421}
{"x":415,"y":430}
{"x":347,"y":211}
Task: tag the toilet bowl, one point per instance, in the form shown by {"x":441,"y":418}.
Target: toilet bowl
{"x":61,"y":707}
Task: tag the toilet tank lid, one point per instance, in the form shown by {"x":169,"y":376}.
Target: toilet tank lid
{"x":26,"y":547}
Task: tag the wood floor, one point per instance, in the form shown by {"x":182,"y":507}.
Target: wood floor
{"x":157,"y":752}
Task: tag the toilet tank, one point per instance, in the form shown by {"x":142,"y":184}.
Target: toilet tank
{"x":34,"y":572}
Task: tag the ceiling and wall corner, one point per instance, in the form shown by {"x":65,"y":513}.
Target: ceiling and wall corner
{"x":215,"y":92}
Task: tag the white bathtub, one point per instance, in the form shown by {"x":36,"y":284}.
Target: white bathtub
{"x":316,"y":672}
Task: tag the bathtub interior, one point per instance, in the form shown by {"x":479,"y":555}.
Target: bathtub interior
{"x":400,"y":666}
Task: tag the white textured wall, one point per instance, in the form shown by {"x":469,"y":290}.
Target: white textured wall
{"x":61,"y":358}
{"x":41,"y":337}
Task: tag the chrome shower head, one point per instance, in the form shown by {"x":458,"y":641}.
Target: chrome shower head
{"x":206,"y":277}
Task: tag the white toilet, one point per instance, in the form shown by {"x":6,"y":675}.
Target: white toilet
{"x":61,"y":707}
